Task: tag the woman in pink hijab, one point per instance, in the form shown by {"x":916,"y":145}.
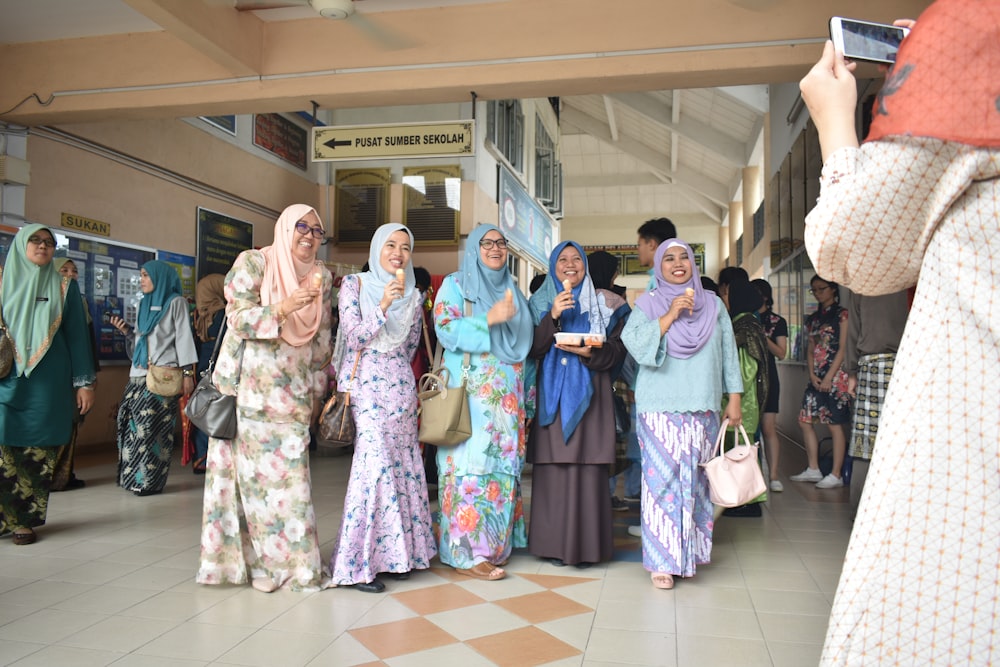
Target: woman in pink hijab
{"x":273,"y":357}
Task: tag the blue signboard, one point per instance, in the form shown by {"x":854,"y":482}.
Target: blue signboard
{"x":524,"y":221}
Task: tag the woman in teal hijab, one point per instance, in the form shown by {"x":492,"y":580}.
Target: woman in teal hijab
{"x":479,"y":310}
{"x":163,"y":337}
{"x":52,"y":375}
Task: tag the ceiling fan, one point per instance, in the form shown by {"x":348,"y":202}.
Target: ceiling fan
{"x":338,"y":10}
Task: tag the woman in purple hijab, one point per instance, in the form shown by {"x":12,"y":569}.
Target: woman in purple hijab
{"x":681,"y":337}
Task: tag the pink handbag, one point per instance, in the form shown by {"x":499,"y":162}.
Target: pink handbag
{"x":734,"y":476}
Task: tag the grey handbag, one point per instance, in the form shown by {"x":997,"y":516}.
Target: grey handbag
{"x":211,"y":411}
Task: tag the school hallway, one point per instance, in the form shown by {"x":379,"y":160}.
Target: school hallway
{"x":111,"y":582}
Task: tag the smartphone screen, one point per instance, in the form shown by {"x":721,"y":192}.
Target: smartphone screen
{"x":862,"y":40}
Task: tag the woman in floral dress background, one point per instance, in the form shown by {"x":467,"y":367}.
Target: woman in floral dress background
{"x":826,"y":400}
{"x":480,"y":311}
{"x":258,"y":520}
{"x":386,"y":525}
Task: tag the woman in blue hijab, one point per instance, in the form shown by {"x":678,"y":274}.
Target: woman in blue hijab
{"x":480,"y":311}
{"x":573,"y":437}
{"x":162,"y":336}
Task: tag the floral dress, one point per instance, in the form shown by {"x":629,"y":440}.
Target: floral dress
{"x":386,"y":525}
{"x":833,"y":407}
{"x":479,"y":485}
{"x":258,"y":514}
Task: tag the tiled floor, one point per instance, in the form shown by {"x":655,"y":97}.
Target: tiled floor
{"x":111,"y":581}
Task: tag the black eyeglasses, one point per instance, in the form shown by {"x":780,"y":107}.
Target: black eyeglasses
{"x":305,"y":230}
{"x":489,"y":243}
{"x":38,"y":240}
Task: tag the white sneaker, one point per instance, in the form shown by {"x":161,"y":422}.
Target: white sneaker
{"x":635,"y":531}
{"x":830,"y":482}
{"x":777,"y":486}
{"x":808,"y":475}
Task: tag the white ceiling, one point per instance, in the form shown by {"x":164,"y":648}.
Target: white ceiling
{"x":654,"y":153}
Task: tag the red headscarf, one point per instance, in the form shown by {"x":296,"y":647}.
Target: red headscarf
{"x":946,"y":80}
{"x":284,"y":273}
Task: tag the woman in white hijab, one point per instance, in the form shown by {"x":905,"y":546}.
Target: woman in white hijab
{"x":387,"y":522}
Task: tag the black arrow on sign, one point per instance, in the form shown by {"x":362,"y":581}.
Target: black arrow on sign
{"x":333,"y":143}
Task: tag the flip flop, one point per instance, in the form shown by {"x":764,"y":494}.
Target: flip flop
{"x":484,"y":570}
{"x":662,"y":580}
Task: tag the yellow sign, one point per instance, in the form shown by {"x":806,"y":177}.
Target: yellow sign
{"x":369,"y":142}
{"x":81,"y":224}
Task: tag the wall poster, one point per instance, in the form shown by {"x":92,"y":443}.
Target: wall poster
{"x":220,"y":240}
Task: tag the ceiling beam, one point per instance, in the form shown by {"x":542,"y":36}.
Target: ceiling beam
{"x":709,"y":188}
{"x":728,"y":149}
{"x":616,"y":180}
{"x":609,"y":108}
{"x":230,"y":38}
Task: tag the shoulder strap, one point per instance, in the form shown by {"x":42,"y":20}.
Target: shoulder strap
{"x":466,"y":358}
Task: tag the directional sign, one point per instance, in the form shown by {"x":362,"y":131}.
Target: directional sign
{"x":369,"y":142}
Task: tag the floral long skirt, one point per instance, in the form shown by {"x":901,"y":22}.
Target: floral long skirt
{"x":25,"y":479}
{"x":677,"y":512}
{"x":386,"y":525}
{"x":481,"y":519}
{"x":145,"y":438}
{"x":258,"y":515}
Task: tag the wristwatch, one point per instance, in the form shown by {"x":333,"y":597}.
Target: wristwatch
{"x":188,"y":373}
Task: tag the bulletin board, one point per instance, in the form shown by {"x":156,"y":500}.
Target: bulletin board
{"x":108,"y":280}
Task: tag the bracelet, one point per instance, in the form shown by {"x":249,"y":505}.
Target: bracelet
{"x":188,"y":373}
{"x":281,"y":315}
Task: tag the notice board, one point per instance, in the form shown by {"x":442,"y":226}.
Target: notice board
{"x":220,"y":240}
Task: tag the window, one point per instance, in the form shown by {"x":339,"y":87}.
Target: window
{"x":505,"y":128}
{"x":548,"y":170}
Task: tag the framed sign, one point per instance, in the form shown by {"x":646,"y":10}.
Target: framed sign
{"x":362,"y":204}
{"x":224,"y":123}
{"x":280,"y":136}
{"x":220,"y":240}
{"x":432,"y":206}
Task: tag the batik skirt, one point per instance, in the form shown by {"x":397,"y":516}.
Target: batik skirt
{"x":146,"y":423}
{"x":677,"y":512}
{"x":25,"y":480}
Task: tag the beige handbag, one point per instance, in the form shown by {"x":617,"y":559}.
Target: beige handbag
{"x":165,"y":381}
{"x":445,"y":419}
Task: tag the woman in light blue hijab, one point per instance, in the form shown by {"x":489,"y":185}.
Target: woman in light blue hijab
{"x":52,"y":374}
{"x":480,"y":311}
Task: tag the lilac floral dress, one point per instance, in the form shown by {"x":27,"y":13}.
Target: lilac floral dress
{"x":258,"y":519}
{"x":386,"y":525}
{"x":482,"y":516}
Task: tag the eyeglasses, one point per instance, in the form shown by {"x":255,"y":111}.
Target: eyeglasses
{"x":816,"y":290}
{"x":488,"y":244}
{"x":305,"y":230}
{"x":38,"y":240}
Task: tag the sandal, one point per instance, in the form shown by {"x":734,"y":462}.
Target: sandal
{"x":484,"y":570}
{"x":662,"y":580}
{"x":23,"y":539}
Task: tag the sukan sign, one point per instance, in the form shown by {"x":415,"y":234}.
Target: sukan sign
{"x":369,"y":142}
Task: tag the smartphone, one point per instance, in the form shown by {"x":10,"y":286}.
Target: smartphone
{"x":863,"y":40}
